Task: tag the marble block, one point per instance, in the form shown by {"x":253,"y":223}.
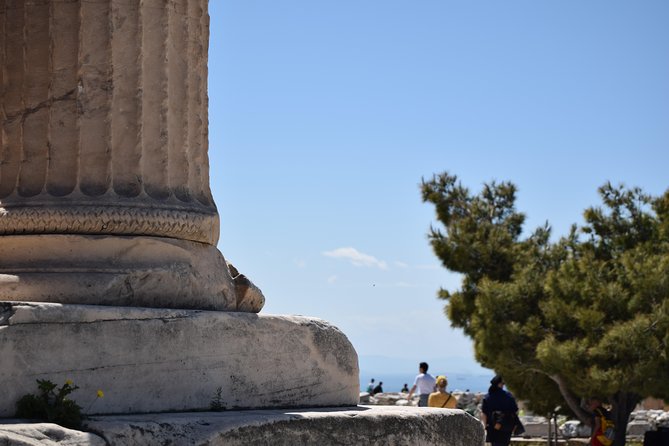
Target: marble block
{"x":362,"y":425}
{"x":382,"y":426}
{"x":157,"y":360}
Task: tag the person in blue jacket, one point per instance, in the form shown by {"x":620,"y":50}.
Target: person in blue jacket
{"x":499,"y":413}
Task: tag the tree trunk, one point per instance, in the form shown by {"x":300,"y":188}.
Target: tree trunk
{"x":623,"y":403}
{"x":571,"y":401}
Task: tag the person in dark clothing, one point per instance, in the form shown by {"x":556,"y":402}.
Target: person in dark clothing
{"x":499,"y":413}
{"x":378,"y":388}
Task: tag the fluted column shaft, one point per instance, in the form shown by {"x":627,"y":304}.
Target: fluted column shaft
{"x":104,"y":118}
{"x":104,"y":175}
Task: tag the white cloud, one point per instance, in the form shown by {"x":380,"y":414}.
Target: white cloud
{"x":401,"y":264}
{"x":332,"y":279}
{"x":356,"y":257}
{"x":430,"y":266}
{"x":300,"y":263}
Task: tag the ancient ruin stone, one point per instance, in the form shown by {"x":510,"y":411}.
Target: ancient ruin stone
{"x":105,"y":133}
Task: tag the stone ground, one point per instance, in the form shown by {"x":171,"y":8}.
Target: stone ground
{"x":326,"y":426}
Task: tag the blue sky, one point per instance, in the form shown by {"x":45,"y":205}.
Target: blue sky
{"x":325,"y":115}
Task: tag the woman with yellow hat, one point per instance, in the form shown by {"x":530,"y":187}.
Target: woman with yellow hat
{"x":441,"y":398}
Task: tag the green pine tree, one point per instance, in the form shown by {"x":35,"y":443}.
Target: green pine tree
{"x":586,"y":315}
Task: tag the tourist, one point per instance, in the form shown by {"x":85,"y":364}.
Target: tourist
{"x":499,"y":413}
{"x":601,"y":423}
{"x":378,"y":389}
{"x":424,"y":383}
{"x":370,"y":386}
{"x":405,"y":389}
{"x":442,"y":398}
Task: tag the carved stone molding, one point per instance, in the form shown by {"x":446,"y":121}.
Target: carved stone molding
{"x":174,"y":222}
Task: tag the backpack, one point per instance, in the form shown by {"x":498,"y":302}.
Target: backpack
{"x":608,"y":428}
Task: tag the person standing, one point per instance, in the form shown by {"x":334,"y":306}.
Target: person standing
{"x":370,"y":386}
{"x":499,"y":412}
{"x":441,"y":398}
{"x":424,"y":383}
{"x":602,"y":426}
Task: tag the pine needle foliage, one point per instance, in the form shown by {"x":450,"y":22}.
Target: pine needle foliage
{"x":585,"y":315}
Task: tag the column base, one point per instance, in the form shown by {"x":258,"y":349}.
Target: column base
{"x":124,"y":271}
{"x":157,"y":360}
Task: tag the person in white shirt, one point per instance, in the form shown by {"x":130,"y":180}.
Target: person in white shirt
{"x":424,"y":383}
{"x":370,"y":386}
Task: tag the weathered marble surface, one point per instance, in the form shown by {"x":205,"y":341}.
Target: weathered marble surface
{"x":104,"y":119}
{"x":152,"y":360}
{"x":115,"y":270}
{"x":382,"y":426}
{"x":24,"y":433}
{"x":348,"y":426}
{"x":104,"y":132}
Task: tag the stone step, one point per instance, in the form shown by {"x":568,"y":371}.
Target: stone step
{"x":360,"y":425}
{"x":158,"y":360}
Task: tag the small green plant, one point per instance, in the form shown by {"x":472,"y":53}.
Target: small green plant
{"x":217,"y":401}
{"x":51,"y":404}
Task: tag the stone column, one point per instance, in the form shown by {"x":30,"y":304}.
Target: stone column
{"x":104,"y":173}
